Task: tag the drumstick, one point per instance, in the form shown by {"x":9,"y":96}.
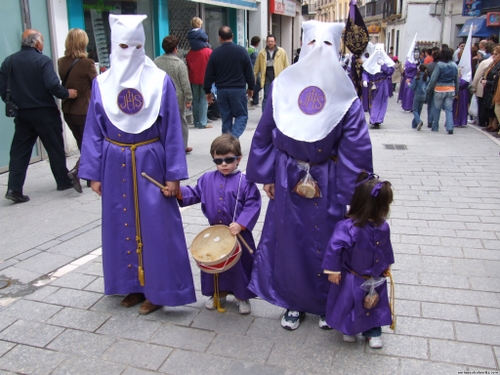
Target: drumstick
{"x":245,"y":243}
{"x":151,"y":179}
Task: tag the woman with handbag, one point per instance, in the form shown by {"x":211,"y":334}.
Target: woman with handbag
{"x":490,"y":83}
{"x":77,"y":71}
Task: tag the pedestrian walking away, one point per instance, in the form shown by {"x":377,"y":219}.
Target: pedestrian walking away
{"x":133,"y":127}
{"x":230,"y":68}
{"x":33,"y":85}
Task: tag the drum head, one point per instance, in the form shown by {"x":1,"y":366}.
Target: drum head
{"x":213,"y":244}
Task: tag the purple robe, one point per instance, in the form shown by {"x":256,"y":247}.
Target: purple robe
{"x":407,"y":95}
{"x":367,"y":251}
{"x":217,"y":194}
{"x":365,"y":96}
{"x":378,"y":93}
{"x":461,"y":105}
{"x":287,"y":269}
{"x":168,"y":278}
{"x":389,"y":86}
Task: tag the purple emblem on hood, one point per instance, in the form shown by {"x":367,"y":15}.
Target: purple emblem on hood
{"x":130,"y":101}
{"x":312,"y":100}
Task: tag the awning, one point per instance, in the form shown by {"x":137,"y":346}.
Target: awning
{"x":479,"y":28}
{"x":237,"y":4}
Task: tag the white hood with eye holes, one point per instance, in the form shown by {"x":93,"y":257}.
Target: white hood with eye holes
{"x":131,"y":90}
{"x":311,"y":97}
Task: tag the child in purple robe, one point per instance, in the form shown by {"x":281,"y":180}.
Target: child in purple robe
{"x":360,"y":249}
{"x":227,"y":198}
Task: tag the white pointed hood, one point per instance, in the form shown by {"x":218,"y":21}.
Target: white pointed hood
{"x":371,"y":65}
{"x":131,"y":90}
{"x":313,"y":95}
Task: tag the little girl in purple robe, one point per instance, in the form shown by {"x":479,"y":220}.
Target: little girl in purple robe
{"x":227,"y":198}
{"x":360,"y":249}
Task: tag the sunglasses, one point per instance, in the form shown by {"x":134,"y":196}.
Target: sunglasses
{"x":228,"y":160}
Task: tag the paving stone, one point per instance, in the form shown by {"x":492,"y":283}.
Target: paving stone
{"x":469,"y":267}
{"x":351,"y":359}
{"x":420,"y":240}
{"x":5,"y":347}
{"x":222,"y":322}
{"x":73,"y":298}
{"x":182,"y":362}
{"x":441,"y":265}
{"x":79,"y":245}
{"x":48,"y":245}
{"x":449,"y":312}
{"x":424,"y":327}
{"x":6,"y":321}
{"x":78,"y":319}
{"x":73,"y":280}
{"x":134,"y":329}
{"x":27,"y":254}
{"x":30,"y":333}
{"x":402,"y":346}
{"x":188,"y":338}
{"x":41,"y":293}
{"x":487,"y":284}
{"x":407,"y":308}
{"x":306,"y":359}
{"x":412,"y":366}
{"x":462,"y":353}
{"x":81,"y":343}
{"x":111,"y":305}
{"x":482,"y":334}
{"x":20,"y":275}
{"x":492,"y":268}
{"x":240,"y":347}
{"x":489,"y":316}
{"x":271,"y":330}
{"x":263,"y":309}
{"x":180,"y":315}
{"x":441,"y":251}
{"x":481,"y":254}
{"x":137,"y":354}
{"x":96,"y":286}
{"x":444,"y":280}
{"x":8,"y":263}
{"x":28,"y":360}
{"x":248,"y":368}
{"x":44,"y":262}
{"x":31,"y":310}
{"x":91,"y":268}
{"x":445,"y":295}
{"x":136,"y":371}
{"x":462,"y":242}
{"x":88,"y":366}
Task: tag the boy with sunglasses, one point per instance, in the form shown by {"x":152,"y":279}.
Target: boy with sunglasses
{"x":227,"y":198}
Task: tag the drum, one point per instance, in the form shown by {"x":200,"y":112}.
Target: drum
{"x":215,"y":249}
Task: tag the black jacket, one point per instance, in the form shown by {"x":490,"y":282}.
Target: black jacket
{"x":33,"y":81}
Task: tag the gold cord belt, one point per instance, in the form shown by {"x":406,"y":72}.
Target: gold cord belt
{"x":138,"y":238}
{"x":392,"y":299}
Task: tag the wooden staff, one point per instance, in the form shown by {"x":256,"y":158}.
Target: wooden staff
{"x":151,"y":179}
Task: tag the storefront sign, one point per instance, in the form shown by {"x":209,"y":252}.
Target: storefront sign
{"x":373,"y":29}
{"x":493,"y":19}
{"x":283,"y":7}
{"x":472,"y":8}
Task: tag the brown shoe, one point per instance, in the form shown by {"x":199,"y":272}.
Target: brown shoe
{"x":188,"y":150}
{"x":132,"y":299}
{"x":147,"y":308}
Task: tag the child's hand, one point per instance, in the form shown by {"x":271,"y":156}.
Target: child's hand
{"x":172,"y":187}
{"x":165,"y":192}
{"x":234,"y":228}
{"x":334,"y":278}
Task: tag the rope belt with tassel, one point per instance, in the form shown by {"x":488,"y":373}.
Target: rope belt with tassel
{"x":138,"y":238}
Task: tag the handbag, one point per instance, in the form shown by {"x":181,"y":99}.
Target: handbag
{"x":10,"y":107}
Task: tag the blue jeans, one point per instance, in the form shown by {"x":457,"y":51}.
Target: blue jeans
{"x":264,"y":100}
{"x":200,"y":106}
{"x":233,"y":104}
{"x":373,"y":332}
{"x":418,"y":104}
{"x":430,"y":108}
{"x":443,"y":100}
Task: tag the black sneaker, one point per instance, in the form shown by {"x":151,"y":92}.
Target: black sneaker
{"x":291,"y":319}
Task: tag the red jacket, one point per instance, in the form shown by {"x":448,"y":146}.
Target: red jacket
{"x":197,"y":64}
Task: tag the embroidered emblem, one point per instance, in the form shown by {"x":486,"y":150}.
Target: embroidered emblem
{"x":312,"y":100}
{"x":130,"y":101}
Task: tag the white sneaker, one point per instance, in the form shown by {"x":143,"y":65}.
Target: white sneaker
{"x":209,"y":305}
{"x":244,"y":307}
{"x":291,"y":319}
{"x":375,"y":342}
{"x":322,"y":323}
{"x":348,"y":338}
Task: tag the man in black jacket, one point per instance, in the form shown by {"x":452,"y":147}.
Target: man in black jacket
{"x":230,"y":68}
{"x":33,"y":85}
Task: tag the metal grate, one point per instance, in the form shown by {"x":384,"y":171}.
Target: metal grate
{"x":180,"y":13}
{"x":395,"y":147}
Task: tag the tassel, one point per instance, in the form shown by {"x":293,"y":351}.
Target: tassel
{"x":216,"y":295}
